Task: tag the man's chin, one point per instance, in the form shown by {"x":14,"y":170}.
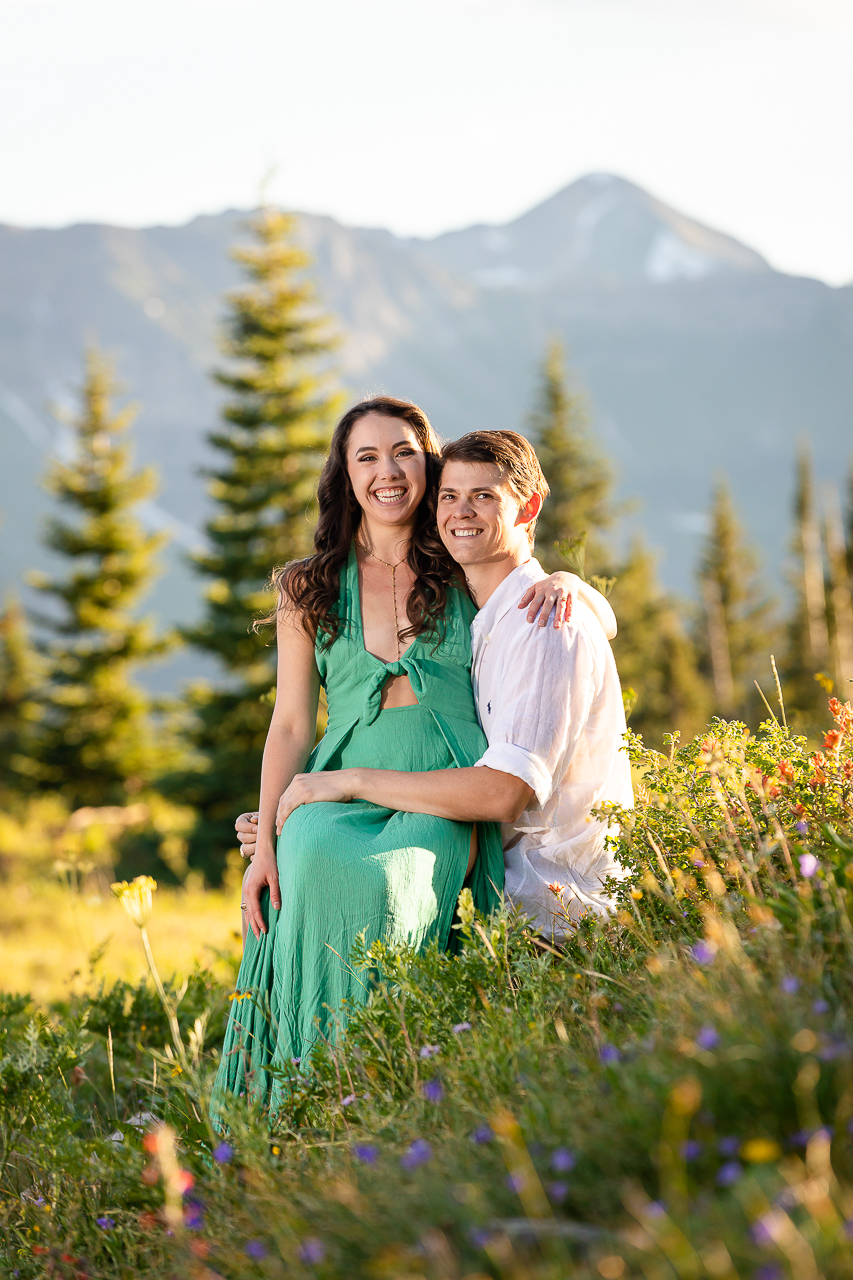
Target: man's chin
{"x":462,"y":553}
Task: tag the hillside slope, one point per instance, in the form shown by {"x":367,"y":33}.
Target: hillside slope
{"x":697,"y":356}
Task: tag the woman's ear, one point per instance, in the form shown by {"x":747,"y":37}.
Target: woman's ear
{"x":530,"y":510}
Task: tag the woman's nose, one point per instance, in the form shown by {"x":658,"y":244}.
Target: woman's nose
{"x":391,"y":469}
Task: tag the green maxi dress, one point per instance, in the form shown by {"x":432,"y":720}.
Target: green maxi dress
{"x":350,"y":868}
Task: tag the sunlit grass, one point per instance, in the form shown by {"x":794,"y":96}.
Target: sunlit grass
{"x":55,"y":942}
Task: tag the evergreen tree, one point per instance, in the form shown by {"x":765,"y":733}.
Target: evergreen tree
{"x":579,"y":504}
{"x":94,"y":739}
{"x":277,"y":421}
{"x":840,"y":608}
{"x":807,"y":655}
{"x":735,"y":636}
{"x":655,"y":657}
{"x":20,"y":677}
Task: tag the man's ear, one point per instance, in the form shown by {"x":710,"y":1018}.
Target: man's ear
{"x":530,"y":510}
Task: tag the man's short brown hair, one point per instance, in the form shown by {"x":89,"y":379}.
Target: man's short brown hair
{"x":511,"y":453}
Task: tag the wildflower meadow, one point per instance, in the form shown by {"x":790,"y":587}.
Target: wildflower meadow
{"x":668,"y":1094}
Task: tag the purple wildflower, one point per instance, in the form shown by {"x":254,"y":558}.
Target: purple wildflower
{"x":708,"y":1038}
{"x":808,"y":865}
{"x":654,"y":1209}
{"x":366,"y":1152}
{"x":106,"y":1224}
{"x":691,"y":1149}
{"x":729,"y":1173}
{"x":728,"y":1146}
{"x":768,"y":1272}
{"x":313,"y":1251}
{"x":790,"y":986}
{"x":348,"y":1100}
{"x":482,"y":1135}
{"x":704,"y":952}
{"x":820,"y":1006}
{"x":479,"y":1237}
{"x":461,"y":1026}
{"x":430,"y":1050}
{"x":433,"y":1090}
{"x":563,"y":1160}
{"x":194,"y":1216}
{"x":609,"y":1053}
{"x":223,"y":1153}
{"x":847,"y":1229}
{"x":557,"y":1191}
{"x":420,"y":1152}
{"x":761,"y":1232}
{"x":801,"y":826}
{"x":516,"y":1182}
{"x":254,"y":1249}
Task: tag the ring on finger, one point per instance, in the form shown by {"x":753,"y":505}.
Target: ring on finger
{"x":242,"y":906}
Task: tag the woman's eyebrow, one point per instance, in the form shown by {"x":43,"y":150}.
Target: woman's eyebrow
{"x":374,"y":449}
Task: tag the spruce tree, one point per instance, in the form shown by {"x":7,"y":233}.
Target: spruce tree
{"x":807,"y":660}
{"x":840,"y":605}
{"x":654,"y":655}
{"x":94,"y":740}
{"x":735,"y":635}
{"x":276,"y":425}
{"x":579,"y":505}
{"x":20,"y":679}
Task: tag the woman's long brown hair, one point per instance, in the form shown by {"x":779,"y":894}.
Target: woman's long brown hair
{"x":313,"y":584}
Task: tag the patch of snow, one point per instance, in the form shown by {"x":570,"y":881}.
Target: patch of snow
{"x":586,"y":223}
{"x":496,"y":240}
{"x":671,"y":259}
{"x":506,"y":276}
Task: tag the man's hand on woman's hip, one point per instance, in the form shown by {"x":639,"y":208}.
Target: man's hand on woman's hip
{"x":246,"y":827}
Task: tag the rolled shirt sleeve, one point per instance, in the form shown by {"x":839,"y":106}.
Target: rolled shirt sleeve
{"x":547,"y":685}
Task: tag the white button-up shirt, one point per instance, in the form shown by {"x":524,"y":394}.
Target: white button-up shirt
{"x":551,"y":708}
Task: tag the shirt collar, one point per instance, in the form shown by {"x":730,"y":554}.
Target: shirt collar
{"x":508,"y":594}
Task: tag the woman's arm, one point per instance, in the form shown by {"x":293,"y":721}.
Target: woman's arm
{"x":289,"y":743}
{"x":557,"y":593}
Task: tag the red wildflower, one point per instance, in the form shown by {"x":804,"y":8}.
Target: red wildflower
{"x":786,"y":771}
{"x":832,"y":739}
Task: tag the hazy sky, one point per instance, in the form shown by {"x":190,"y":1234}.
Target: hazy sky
{"x":421,"y":115}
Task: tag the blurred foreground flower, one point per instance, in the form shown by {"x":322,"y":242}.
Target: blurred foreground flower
{"x":313,"y":1251}
{"x":808,"y":865}
{"x":420,"y":1152}
{"x":136,"y":898}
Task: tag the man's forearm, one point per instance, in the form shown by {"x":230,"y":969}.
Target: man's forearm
{"x":463,"y":795}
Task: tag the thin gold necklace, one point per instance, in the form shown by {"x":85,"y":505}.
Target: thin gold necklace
{"x":393,"y":568}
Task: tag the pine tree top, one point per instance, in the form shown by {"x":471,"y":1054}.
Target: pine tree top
{"x":110,"y":554}
{"x":579,"y":477}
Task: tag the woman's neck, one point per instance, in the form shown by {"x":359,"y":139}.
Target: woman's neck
{"x":389,"y":543}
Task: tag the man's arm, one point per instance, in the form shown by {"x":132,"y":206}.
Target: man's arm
{"x":464,"y":795}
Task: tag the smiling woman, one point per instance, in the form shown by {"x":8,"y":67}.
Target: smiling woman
{"x":378,"y":617}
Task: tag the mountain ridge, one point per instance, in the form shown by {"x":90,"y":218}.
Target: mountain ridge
{"x":697,"y":355}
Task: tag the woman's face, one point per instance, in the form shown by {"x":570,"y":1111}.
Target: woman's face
{"x":387,"y":468}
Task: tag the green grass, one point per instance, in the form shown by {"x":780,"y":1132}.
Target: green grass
{"x":670,"y":1095}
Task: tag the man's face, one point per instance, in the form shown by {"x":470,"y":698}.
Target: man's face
{"x":479,"y":516}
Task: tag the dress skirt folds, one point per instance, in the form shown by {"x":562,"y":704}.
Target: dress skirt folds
{"x":347,"y":869}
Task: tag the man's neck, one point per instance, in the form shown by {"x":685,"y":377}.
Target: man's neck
{"x":484,"y":579}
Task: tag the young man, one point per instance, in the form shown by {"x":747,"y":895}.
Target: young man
{"x":548,"y":699}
